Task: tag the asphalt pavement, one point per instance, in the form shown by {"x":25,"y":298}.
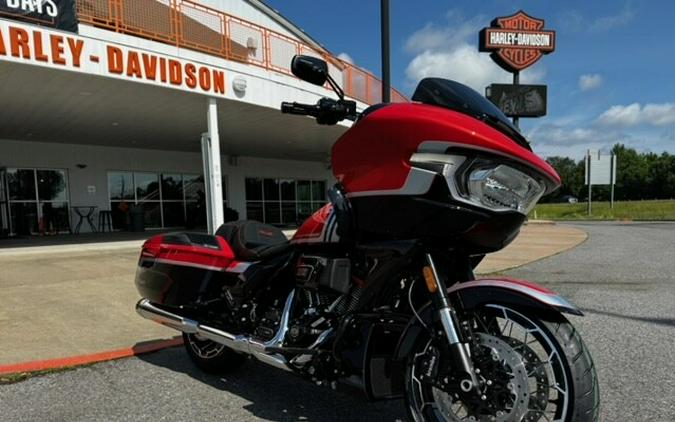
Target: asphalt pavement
{"x":623,"y":277}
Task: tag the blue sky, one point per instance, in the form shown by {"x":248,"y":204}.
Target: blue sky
{"x":611,"y":78}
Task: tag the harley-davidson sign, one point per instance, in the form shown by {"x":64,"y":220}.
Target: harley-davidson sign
{"x":517,"y":41}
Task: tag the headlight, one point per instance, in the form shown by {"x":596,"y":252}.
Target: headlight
{"x":503,"y":188}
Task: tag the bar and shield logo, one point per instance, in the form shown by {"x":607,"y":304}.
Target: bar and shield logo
{"x":58,"y":14}
{"x":517,"y":41}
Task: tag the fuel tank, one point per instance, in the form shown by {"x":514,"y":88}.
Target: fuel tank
{"x":321,"y":227}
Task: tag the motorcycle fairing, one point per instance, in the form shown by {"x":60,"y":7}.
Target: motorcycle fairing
{"x":374,"y":155}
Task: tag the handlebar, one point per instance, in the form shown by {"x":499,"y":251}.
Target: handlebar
{"x":299,"y":109}
{"x":326,"y":111}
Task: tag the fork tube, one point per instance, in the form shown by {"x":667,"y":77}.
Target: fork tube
{"x":445,"y":311}
{"x":459,"y":351}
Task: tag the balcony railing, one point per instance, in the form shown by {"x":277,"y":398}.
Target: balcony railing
{"x":190,"y":25}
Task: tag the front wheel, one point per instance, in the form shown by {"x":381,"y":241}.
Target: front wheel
{"x":528,"y":367}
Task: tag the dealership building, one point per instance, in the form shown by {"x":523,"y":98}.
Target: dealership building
{"x":167,"y":109}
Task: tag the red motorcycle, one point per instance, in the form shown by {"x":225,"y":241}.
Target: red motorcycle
{"x":376,"y":290}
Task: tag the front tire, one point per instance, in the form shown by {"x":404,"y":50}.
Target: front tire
{"x":211,"y":357}
{"x":531,"y":367}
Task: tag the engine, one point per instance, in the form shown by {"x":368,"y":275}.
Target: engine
{"x":324,"y":293}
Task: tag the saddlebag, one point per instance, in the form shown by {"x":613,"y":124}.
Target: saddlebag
{"x":186,"y":269}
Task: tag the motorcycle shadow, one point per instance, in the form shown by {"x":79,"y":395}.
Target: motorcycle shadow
{"x":276,"y":395}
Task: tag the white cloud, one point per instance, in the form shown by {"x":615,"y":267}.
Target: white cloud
{"x":345,"y":58}
{"x":590,"y":81}
{"x":573,"y":20}
{"x":572,"y":141}
{"x":635,"y":114}
{"x":451,"y":52}
{"x":659,"y":114}
{"x":605,"y":23}
{"x":551,"y":134}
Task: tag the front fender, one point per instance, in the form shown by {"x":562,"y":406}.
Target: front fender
{"x":508,"y":290}
{"x":471,"y":294}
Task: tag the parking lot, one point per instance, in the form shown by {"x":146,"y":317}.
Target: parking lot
{"x":623,"y":277}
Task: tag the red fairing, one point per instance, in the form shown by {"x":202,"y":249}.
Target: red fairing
{"x":320,"y":227}
{"x":375,"y":153}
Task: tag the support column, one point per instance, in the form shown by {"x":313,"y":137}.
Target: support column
{"x":212,"y":169}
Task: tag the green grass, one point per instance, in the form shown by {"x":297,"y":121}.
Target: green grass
{"x":22,"y":376}
{"x":623,"y":210}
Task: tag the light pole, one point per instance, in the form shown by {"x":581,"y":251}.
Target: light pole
{"x":386,"y":71}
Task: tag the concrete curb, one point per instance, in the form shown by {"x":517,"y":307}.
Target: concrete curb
{"x":536,"y":222}
{"x":138,"y":349}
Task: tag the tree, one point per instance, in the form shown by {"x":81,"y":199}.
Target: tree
{"x":639,"y":175}
{"x":572,"y":175}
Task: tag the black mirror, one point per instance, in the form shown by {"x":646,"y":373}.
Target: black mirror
{"x":310,"y":69}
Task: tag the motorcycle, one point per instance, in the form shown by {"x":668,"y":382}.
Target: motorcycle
{"x":376,"y":290}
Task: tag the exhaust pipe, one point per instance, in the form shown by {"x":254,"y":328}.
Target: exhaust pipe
{"x":240,"y":343}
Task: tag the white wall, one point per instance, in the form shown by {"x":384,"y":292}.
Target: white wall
{"x":99,"y":160}
{"x":265,"y":88}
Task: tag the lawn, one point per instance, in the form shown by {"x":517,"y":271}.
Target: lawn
{"x":623,"y":210}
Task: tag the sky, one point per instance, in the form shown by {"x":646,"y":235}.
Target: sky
{"x":610,"y":80}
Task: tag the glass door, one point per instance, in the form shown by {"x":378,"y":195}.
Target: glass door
{"x":53,"y":210}
{"x":37,"y":201}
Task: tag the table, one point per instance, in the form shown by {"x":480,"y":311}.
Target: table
{"x":85,"y":212}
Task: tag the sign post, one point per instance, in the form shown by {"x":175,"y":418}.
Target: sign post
{"x":516,"y":82}
{"x":590,"y":185}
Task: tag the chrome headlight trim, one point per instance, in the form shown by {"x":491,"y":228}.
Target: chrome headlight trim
{"x":457,"y":176}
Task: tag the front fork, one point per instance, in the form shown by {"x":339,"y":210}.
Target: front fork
{"x":459,"y":350}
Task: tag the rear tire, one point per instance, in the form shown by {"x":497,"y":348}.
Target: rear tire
{"x":211,"y":357}
{"x":551,"y":363}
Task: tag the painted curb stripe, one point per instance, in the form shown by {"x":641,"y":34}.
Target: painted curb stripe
{"x":40,"y":365}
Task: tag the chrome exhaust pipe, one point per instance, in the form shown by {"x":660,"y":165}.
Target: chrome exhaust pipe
{"x":239,"y":343}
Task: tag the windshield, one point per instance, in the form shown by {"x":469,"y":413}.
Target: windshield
{"x":455,"y":96}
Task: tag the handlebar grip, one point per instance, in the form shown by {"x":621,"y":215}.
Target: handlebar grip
{"x":287,"y":107}
{"x":299,"y":108}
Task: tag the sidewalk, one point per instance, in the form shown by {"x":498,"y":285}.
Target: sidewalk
{"x":58,"y":302}
{"x":536,"y":240}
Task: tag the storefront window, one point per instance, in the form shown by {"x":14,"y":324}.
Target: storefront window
{"x":283,"y":201}
{"x":21,"y":184}
{"x":121,"y":185}
{"x":172,"y":187}
{"x":167,"y":199}
{"x":52,"y":185}
{"x":38,"y":201}
{"x":147,"y":187}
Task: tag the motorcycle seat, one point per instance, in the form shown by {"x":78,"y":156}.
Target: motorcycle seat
{"x":252,"y":240}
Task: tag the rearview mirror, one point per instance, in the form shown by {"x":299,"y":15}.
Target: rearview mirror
{"x":310,"y":69}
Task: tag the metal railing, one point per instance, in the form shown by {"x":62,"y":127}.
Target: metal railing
{"x":191,"y":25}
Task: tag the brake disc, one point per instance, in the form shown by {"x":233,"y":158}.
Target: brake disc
{"x":510,"y":363}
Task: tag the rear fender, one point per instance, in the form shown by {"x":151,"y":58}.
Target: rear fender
{"x":471,"y":294}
